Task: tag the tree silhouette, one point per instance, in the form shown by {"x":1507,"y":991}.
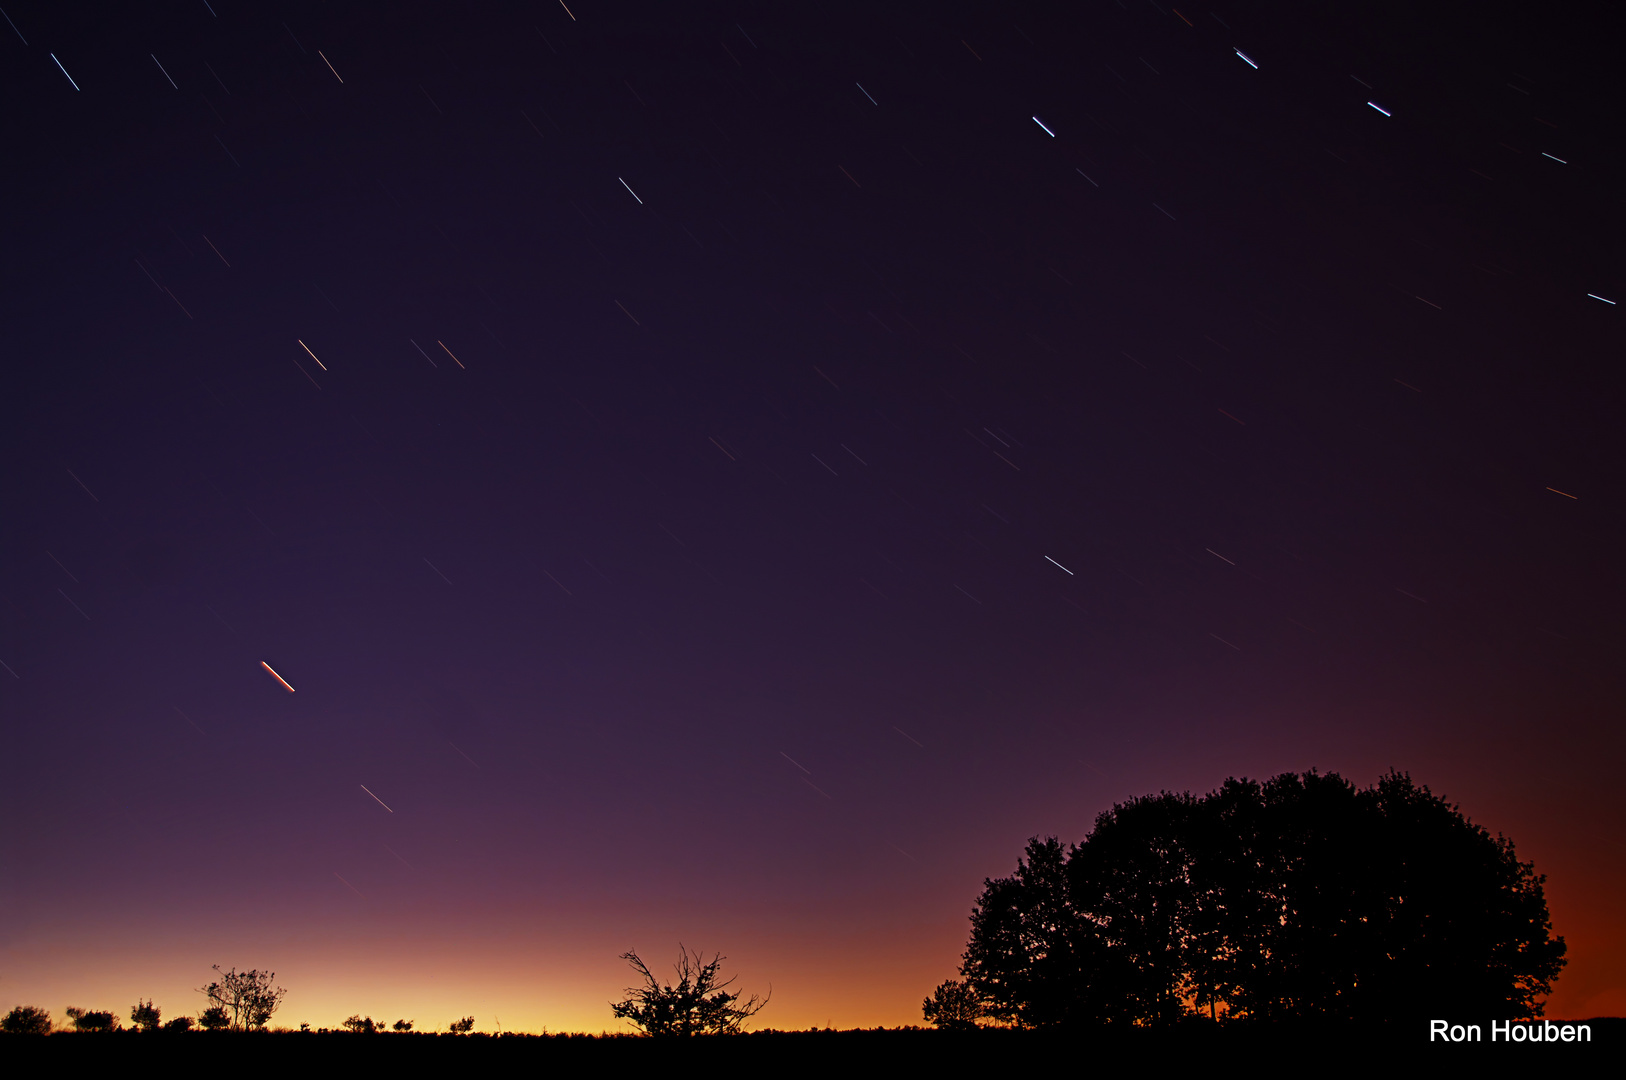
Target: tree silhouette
{"x":1466,"y":920}
{"x":1299,"y":898}
{"x":87,"y":1020}
{"x":1295,"y":878}
{"x":1030,"y":958}
{"x":144,"y":1014}
{"x":697,"y":1005}
{"x":26,"y":1020}
{"x":248,"y":998}
{"x":953,"y":1006}
{"x":1132,"y":883}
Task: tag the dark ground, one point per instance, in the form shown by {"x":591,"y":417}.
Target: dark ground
{"x":810,"y":1050}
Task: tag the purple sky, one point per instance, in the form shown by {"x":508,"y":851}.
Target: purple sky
{"x":754,"y":467}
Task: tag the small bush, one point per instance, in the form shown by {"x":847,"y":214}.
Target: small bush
{"x":698,"y":1005}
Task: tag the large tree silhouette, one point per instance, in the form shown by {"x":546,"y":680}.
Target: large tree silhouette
{"x":1301,"y":898}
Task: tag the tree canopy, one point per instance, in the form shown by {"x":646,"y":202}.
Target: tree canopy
{"x":1299,"y":898}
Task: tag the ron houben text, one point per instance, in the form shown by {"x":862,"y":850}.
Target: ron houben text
{"x":1509,"y":1031}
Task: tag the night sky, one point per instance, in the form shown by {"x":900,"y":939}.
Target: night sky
{"x":730,"y":473}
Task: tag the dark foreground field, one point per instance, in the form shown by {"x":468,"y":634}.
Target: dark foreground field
{"x":948,"y":1052}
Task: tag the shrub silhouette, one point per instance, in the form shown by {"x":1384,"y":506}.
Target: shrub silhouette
{"x":1301,"y":898}
{"x":214,"y":1018}
{"x":180,"y":1023}
{"x":697,"y":1005}
{"x":461,"y":1027}
{"x":363,"y":1025}
{"x":247,"y":998}
{"x":26,"y":1020}
{"x":954,"y":1006}
{"x":144,"y":1014}
{"x":401,"y":1025}
{"x":86,"y":1020}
